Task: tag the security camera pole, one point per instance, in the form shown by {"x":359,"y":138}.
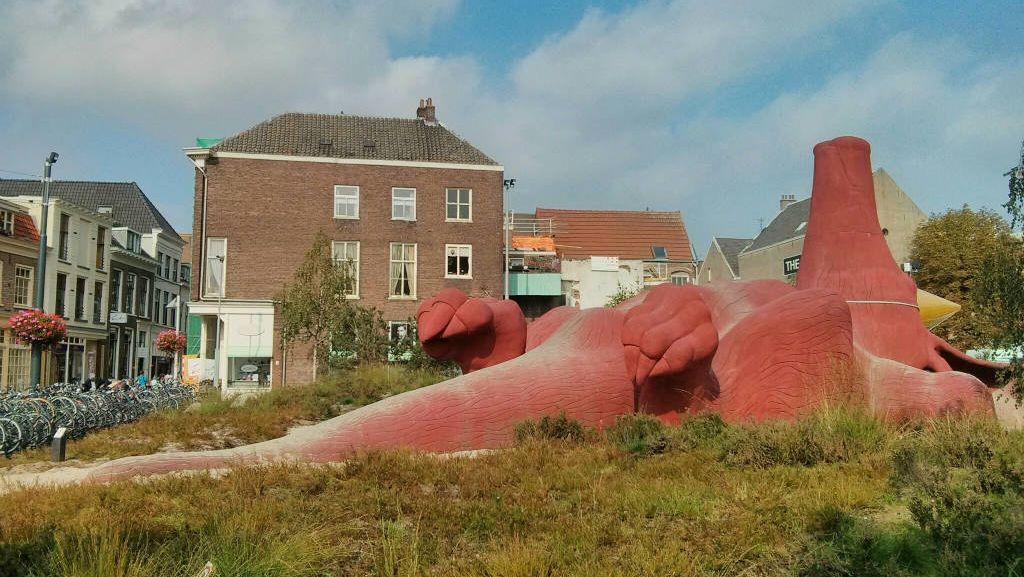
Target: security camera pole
{"x":37,"y":348}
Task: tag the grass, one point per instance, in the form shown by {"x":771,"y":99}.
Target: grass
{"x":214,"y":423}
{"x":834,"y":494}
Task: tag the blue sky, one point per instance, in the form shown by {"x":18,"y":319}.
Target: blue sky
{"x":707,"y":108}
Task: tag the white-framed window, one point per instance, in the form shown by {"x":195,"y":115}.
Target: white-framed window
{"x":402,"y":277}
{"x":346,"y":254}
{"x":458,"y":260}
{"x":655,"y":272}
{"x":6,"y":222}
{"x":682,"y":278}
{"x":346,"y":201}
{"x":458,"y":204}
{"x":216,"y":265}
{"x":403,"y":204}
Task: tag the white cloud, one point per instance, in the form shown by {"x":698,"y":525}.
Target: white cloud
{"x":612,"y":113}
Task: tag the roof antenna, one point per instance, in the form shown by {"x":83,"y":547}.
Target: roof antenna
{"x":760,"y":223}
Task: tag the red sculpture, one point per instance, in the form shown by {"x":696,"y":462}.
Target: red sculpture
{"x":848,"y":333}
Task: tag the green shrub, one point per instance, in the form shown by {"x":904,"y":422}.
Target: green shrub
{"x":557,"y":427}
{"x":702,"y":430}
{"x":844,"y":545}
{"x":963,"y":480}
{"x":825,"y":437}
{"x":638,"y":434}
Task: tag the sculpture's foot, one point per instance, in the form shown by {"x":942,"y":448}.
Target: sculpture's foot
{"x":897,"y":391}
{"x":579,"y":371}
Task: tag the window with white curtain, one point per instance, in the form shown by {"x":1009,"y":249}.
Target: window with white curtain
{"x":402,"y":281}
{"x":403,"y":204}
{"x":346,"y":254}
{"x":346,"y":201}
{"x":216,"y":264}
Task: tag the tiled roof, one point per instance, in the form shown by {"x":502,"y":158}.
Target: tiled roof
{"x":344,"y":136}
{"x":625,"y":234}
{"x":129,"y":205}
{"x":785,"y":226}
{"x":731,"y":249}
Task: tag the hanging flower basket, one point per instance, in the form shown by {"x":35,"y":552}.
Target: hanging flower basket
{"x":33,"y":326}
{"x":170,"y":342}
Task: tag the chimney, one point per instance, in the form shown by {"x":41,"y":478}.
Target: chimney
{"x":786,"y":200}
{"x":426,"y":111}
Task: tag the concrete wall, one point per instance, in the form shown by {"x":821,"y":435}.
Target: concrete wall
{"x":586,"y":288}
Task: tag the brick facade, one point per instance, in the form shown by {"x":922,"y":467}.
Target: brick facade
{"x":270,"y":211}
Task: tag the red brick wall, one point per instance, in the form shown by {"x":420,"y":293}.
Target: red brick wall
{"x":10,"y":260}
{"x":270,"y":212}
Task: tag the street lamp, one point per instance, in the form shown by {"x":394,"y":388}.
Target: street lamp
{"x":508,"y":184}
{"x":37,"y":348}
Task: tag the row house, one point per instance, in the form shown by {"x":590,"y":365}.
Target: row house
{"x":19,"y":245}
{"x":582,"y":258}
{"x":412,"y":206}
{"x":112,"y":250}
{"x":77,"y":272}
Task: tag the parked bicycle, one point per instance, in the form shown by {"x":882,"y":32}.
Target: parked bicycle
{"x":31,"y":418}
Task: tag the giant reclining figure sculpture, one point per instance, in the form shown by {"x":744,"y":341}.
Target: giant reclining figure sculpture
{"x":848,"y":333}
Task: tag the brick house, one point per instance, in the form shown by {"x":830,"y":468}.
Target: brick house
{"x":412,"y":205}
{"x":19,"y":243}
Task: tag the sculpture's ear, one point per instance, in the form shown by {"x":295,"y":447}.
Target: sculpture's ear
{"x":473,"y":317}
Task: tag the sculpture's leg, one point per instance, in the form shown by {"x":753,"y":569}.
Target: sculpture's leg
{"x":897,"y":391}
{"x":787,"y":358}
{"x":579,"y":370}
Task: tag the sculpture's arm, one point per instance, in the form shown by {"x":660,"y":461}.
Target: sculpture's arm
{"x":475,"y":333}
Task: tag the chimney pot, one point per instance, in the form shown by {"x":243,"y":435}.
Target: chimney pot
{"x":786,"y":200}
{"x":426,"y":111}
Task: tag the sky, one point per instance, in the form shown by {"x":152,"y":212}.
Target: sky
{"x":709,"y":108}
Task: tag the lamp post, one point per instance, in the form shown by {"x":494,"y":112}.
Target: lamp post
{"x":37,"y":348}
{"x":508,"y":184}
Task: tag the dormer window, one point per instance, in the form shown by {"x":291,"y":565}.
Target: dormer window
{"x":134,"y":241}
{"x":6,"y":222}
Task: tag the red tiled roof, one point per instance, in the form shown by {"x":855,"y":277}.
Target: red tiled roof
{"x":621,"y":233}
{"x":25,"y":228}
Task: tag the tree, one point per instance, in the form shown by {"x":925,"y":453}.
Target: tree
{"x":313,"y":307}
{"x":1000,"y":291}
{"x":951,"y":250}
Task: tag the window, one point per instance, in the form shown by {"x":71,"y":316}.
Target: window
{"x":129,"y":293}
{"x":160,"y":264}
{"x":458,"y":204}
{"x":174,"y":270}
{"x":115,"y":290}
{"x":458,"y":261}
{"x":62,"y":247}
{"x":23,"y":285}
{"x":80,"y":299}
{"x":163,"y":308}
{"x":144,"y":297}
{"x":346,"y":201}
{"x":97,"y":303}
{"x":402,"y":281}
{"x":62,"y":290}
{"x":134,"y":241}
{"x":101,"y":247}
{"x":346,"y":254}
{"x":6,"y":222}
{"x":655,"y":272}
{"x":682,"y":278}
{"x":186,"y":273}
{"x":398,"y":330}
{"x":403,"y":204}
{"x":143,"y":341}
{"x":659,"y":252}
{"x":156,"y":305}
{"x":172,"y":314}
{"x":216,"y":261}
